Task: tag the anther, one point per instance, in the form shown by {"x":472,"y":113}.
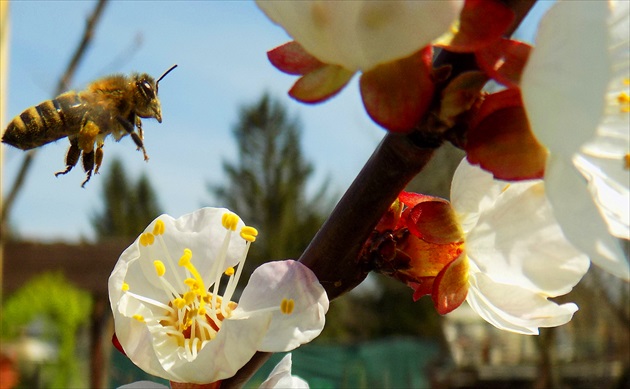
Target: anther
{"x":160,"y":269}
{"x":184,"y":261}
{"x":125,"y":287}
{"x":138,"y":317}
{"x":229,"y":272}
{"x":249,"y":233}
{"x":189,"y":297}
{"x":179,"y":303}
{"x":147,"y":239}
{"x":158,"y":228}
{"x":229,"y":221}
{"x":287,"y":306}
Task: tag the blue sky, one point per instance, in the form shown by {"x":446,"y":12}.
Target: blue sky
{"x":220,"y":47}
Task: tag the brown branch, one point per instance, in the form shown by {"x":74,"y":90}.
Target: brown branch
{"x":79,"y":54}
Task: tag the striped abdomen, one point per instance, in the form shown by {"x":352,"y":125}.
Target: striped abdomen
{"x":46,"y":122}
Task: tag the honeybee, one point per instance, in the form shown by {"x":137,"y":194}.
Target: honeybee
{"x":111,"y":105}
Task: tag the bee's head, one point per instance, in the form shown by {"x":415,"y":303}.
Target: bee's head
{"x":147,"y":104}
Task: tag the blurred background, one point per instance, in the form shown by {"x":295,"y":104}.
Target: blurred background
{"x":229,"y":128}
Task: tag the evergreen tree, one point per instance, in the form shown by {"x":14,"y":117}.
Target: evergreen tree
{"x":266,"y":186}
{"x":128,"y":207}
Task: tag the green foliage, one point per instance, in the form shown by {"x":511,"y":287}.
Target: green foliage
{"x":267,"y":184}
{"x":50,"y":298}
{"x":128,"y":207}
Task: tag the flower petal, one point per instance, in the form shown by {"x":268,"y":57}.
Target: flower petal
{"x":567,"y":74}
{"x":143,"y":385}
{"x":580,"y":219}
{"x":201,"y":231}
{"x":605,"y":181}
{"x":269,"y":285}
{"x":359,"y":35}
{"x":280,"y":377}
{"x":137,"y":343}
{"x":519,"y":242}
{"x":235,"y":344}
{"x":473,"y":190}
{"x":515,"y":309}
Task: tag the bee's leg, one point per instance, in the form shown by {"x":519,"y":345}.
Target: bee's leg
{"x":88,"y":166}
{"x":86,"y":139}
{"x":72,"y":157}
{"x":139,"y":127}
{"x":98,"y":157}
{"x":129,"y":127}
{"x":141,"y":136}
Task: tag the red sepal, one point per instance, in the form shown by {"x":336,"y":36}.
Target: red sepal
{"x":500,"y":139}
{"x":117,"y":344}
{"x":504,"y":61}
{"x":481,"y":23}
{"x":410,"y":199}
{"x":291,"y":58}
{"x":450,"y":287}
{"x":320,"y":84}
{"x":397,"y":94}
{"x":434,"y":222}
{"x":423,"y":287}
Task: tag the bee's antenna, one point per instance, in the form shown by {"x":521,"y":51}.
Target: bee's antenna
{"x":162,"y":76}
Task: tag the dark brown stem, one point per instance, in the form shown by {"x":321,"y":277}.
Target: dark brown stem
{"x":333,"y":253}
{"x":61,"y":87}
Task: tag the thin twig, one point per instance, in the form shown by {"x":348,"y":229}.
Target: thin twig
{"x":61,"y":87}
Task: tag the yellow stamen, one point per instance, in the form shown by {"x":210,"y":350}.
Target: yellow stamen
{"x":158,"y":228}
{"x":229,"y":221}
{"x":160,"y":269}
{"x":179,"y":303}
{"x":184,"y":261}
{"x":189,"y":297}
{"x":138,"y":317}
{"x":249,"y":233}
{"x":125,"y":287}
{"x":287,"y":306}
{"x":191,"y":283}
{"x":229,"y":272}
{"x":505,"y":188}
{"x":627,"y":161}
{"x":147,"y":239}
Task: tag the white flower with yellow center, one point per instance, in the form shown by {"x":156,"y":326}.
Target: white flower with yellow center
{"x":175,"y":319}
{"x":575,"y":91}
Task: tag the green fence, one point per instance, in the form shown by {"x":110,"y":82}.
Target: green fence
{"x":386,"y":363}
